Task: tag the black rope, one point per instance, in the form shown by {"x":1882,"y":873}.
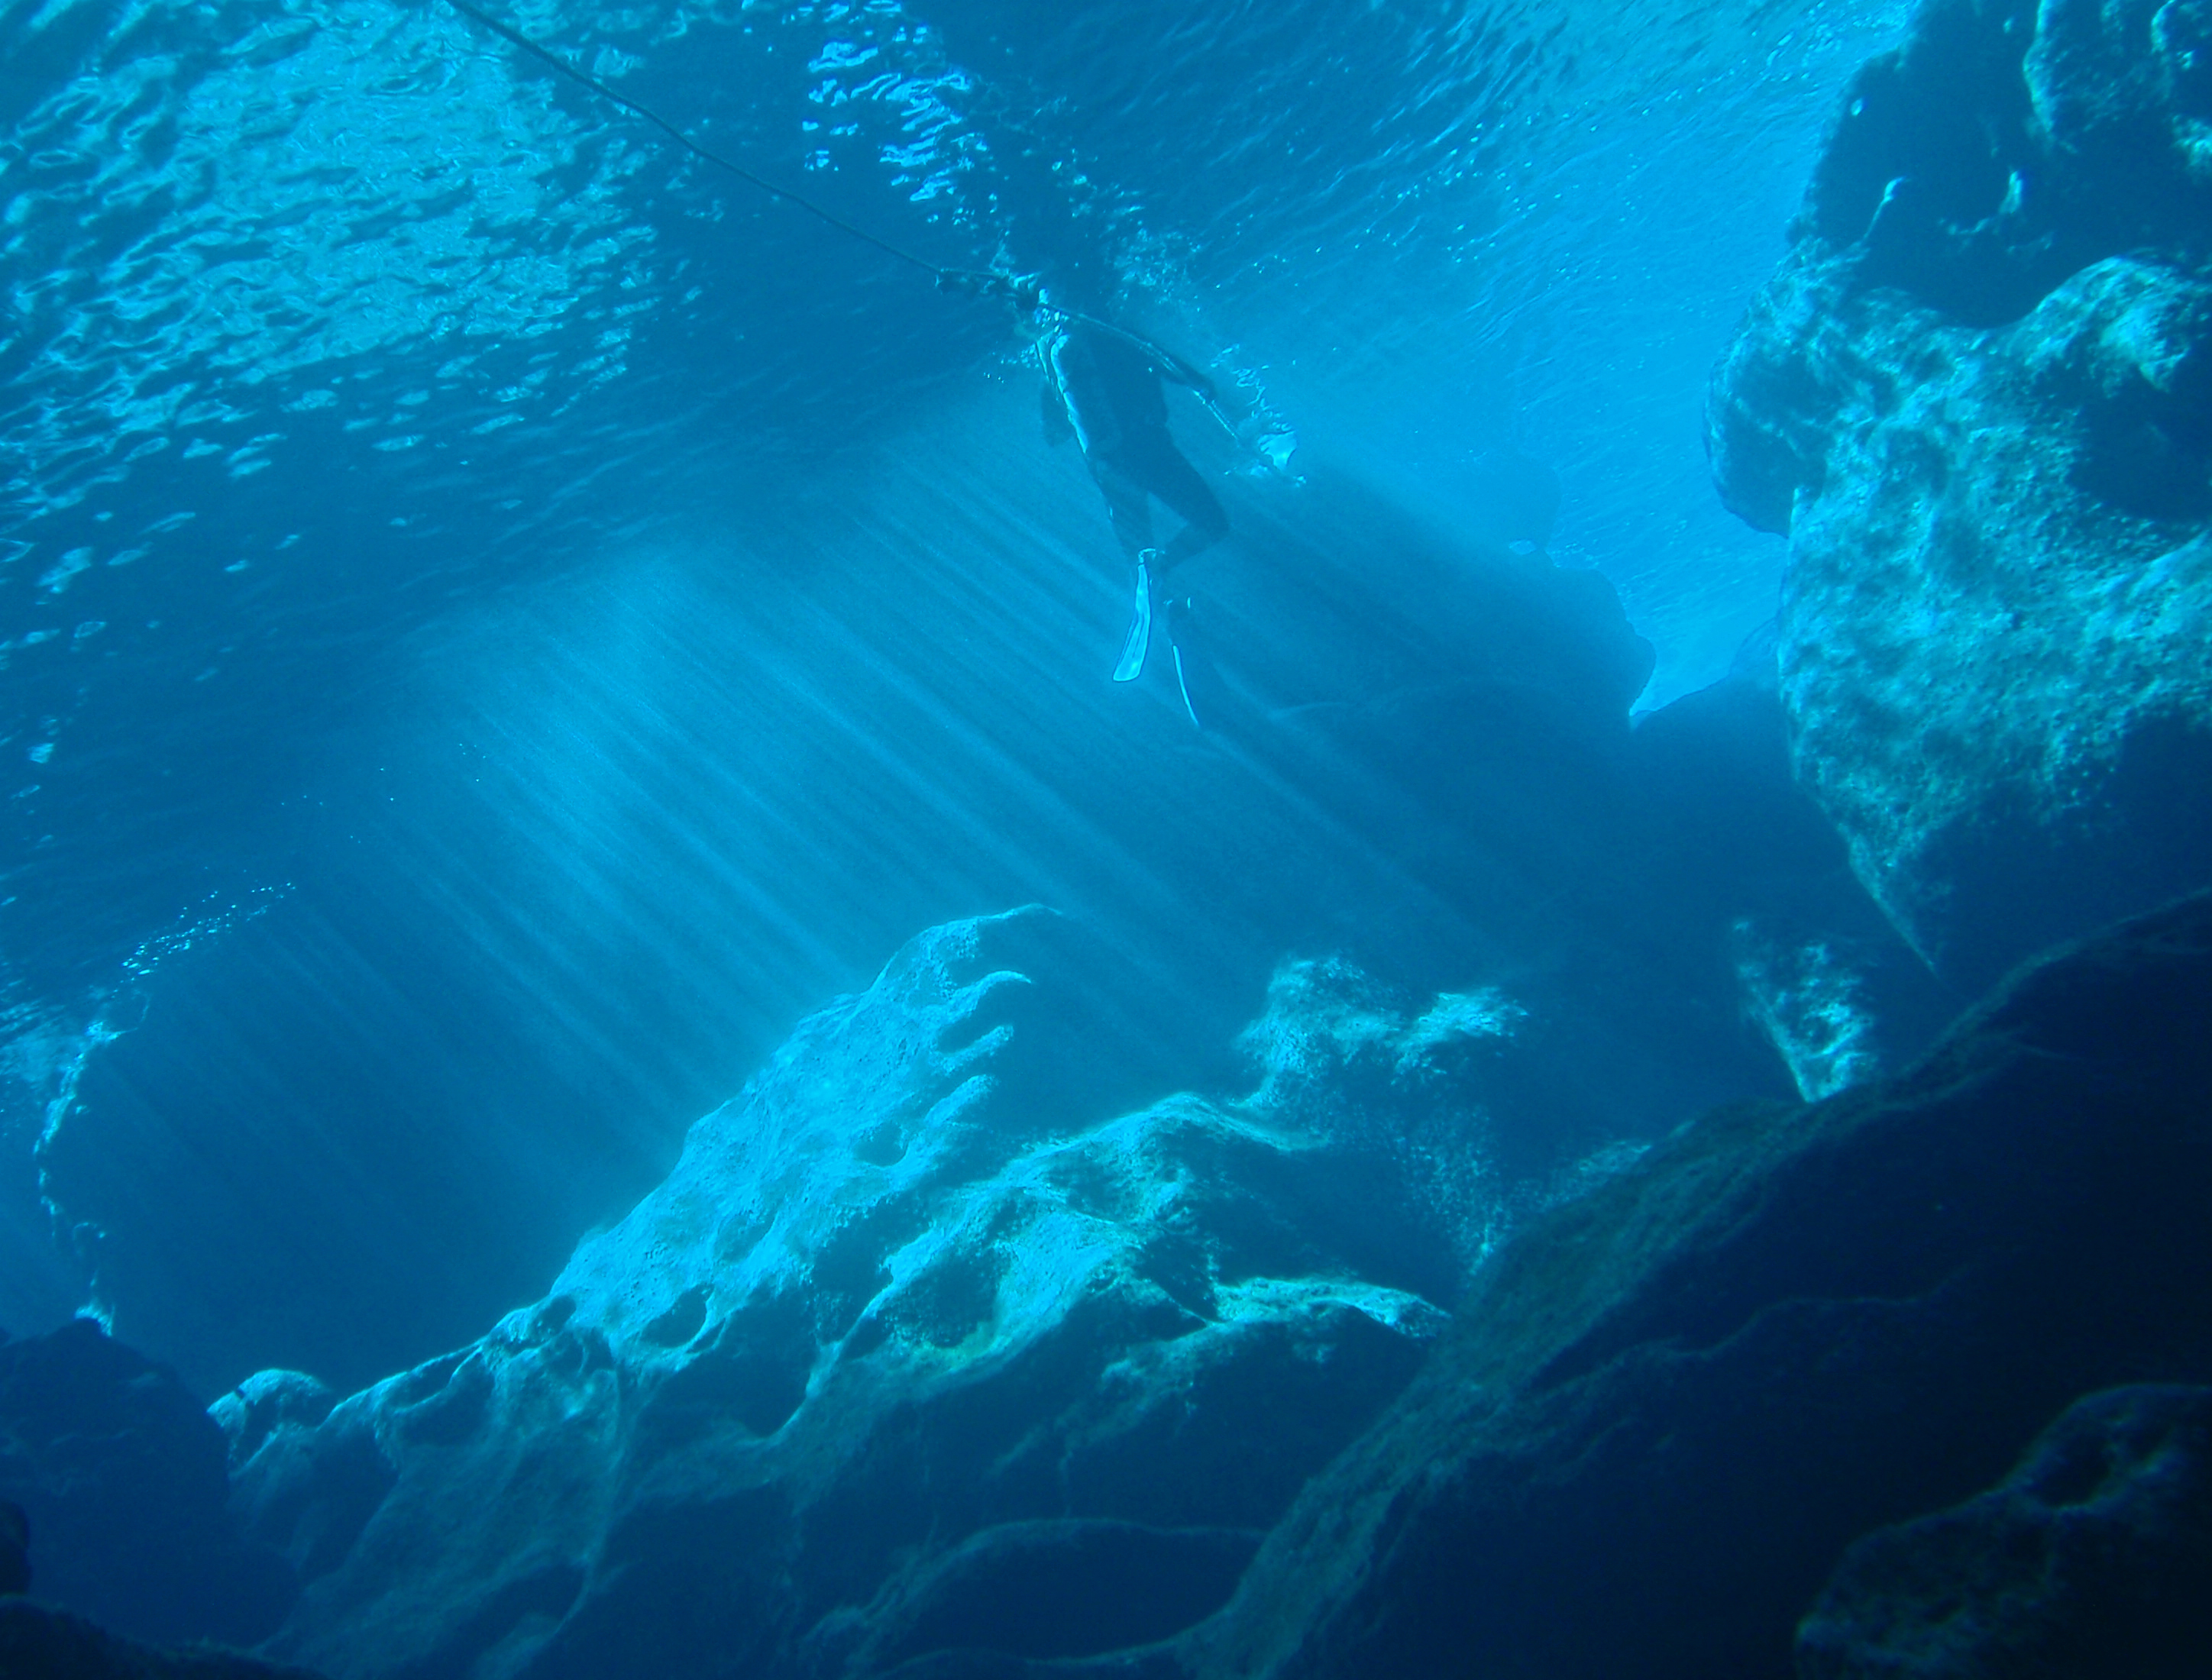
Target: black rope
{"x":1020,"y":290}
{"x":975,"y":280}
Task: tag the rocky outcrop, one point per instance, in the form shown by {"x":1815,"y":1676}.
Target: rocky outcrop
{"x":120,"y":1475}
{"x":1978,"y":398}
{"x":910,"y":1354}
{"x":1430,"y":770}
{"x":2092,"y":1557}
{"x":1669,"y":1406}
{"x":1749,"y":868}
{"x":913,"y":1369}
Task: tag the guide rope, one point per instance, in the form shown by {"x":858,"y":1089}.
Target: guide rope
{"x":978,"y":281}
{"x":1023,"y":291}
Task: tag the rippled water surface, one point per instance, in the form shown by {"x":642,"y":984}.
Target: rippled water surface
{"x":480,"y":585}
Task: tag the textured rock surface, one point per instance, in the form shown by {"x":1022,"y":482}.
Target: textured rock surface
{"x":121,"y":1476}
{"x":1669,"y":1406}
{"x":1430,"y":770}
{"x":2095,"y":1557}
{"x":909,"y":1354}
{"x":1977,"y":397}
{"x":921,"y":1350}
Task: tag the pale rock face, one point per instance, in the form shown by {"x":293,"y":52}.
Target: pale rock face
{"x":907,"y":1351}
{"x":1977,"y":399}
{"x":1808,"y":999}
{"x":1979,"y":617}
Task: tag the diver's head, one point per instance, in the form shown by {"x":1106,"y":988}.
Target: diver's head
{"x":1073,"y":285}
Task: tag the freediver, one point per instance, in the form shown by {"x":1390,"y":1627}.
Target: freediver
{"x":1106,"y":389}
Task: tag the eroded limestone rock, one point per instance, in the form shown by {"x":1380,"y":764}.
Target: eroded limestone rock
{"x":906,"y":1354}
{"x":1978,"y":398}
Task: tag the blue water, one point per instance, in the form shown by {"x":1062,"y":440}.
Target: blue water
{"x":499,"y":618}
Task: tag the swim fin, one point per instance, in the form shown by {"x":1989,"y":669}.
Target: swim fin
{"x":1130,"y":665}
{"x":1195,"y":673}
{"x":1182,"y":682}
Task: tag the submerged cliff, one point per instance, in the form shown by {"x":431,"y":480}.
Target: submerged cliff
{"x":1978,"y":400}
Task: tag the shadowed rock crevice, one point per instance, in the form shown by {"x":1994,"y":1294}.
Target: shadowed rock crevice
{"x":1060,"y":1589}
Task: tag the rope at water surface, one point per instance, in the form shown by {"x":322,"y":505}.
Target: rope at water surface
{"x":980,"y":282}
{"x":1021,"y":291}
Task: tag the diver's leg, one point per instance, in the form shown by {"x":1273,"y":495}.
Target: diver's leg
{"x":1127,"y":506}
{"x":1132,"y":513}
{"x":1193,"y":674}
{"x":1177,"y":483}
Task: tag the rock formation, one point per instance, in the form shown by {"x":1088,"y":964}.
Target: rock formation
{"x":1977,"y":399}
{"x":2092,"y":1557}
{"x":922,"y":1356}
{"x":910,"y":1353}
{"x":1668,"y":1407}
{"x":37,"y":1643}
{"x":912,"y":1368}
{"x":121,"y":1477}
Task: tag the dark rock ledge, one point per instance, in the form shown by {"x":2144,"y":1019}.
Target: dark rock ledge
{"x":1670,"y":1406}
{"x":40,"y":1643}
{"x":2095,"y":1557}
{"x":115,"y":1518}
{"x":122,"y":1474}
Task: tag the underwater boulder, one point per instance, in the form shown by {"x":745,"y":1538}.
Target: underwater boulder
{"x":1668,"y":1407}
{"x":1978,"y":400}
{"x":2092,"y":1557}
{"x":911,"y":1353}
{"x":120,"y":1475}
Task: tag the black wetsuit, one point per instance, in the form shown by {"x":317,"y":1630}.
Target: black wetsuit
{"x":1108,"y":390}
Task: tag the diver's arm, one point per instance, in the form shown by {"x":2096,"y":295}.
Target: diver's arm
{"x":1165,"y":363}
{"x":1053,"y":413}
{"x":1090,"y":409}
{"x":1053,"y":410}
{"x":1173,"y":367}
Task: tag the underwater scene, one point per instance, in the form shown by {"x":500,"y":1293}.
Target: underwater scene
{"x":974,"y":840}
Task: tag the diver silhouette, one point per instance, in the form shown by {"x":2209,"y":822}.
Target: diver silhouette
{"x":1104,"y":387}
